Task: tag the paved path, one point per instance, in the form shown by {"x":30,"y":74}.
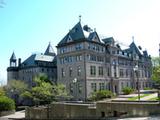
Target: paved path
{"x":149,"y":96}
{"x":20,"y":114}
{"x":125,"y":97}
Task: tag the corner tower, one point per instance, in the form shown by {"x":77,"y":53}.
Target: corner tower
{"x":13,"y":60}
{"x":12,"y":70}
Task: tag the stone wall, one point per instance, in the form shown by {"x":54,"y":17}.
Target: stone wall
{"x":99,"y":110}
{"x":70,"y":110}
{"x":126,"y":109}
{"x":36,"y":113}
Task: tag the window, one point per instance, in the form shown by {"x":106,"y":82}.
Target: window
{"x":115,"y":72}
{"x":122,"y":85}
{"x":63,"y":73}
{"x":121,"y":72}
{"x":92,"y":70}
{"x":63,"y":50}
{"x":127,"y":72}
{"x":93,"y":87}
{"x":78,"y":57}
{"x":101,"y":86}
{"x":71,"y":88}
{"x":70,"y":71}
{"x":100,"y":70}
{"x":79,"y":87}
{"x":100,"y":59}
{"x":78,"y":70}
{"x":93,"y":58}
{"x":78,"y":46}
{"x":108,"y":71}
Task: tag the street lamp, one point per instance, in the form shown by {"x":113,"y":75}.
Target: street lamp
{"x":75,"y":82}
{"x":136,"y":71}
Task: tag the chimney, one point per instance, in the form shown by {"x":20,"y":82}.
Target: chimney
{"x":19,"y":61}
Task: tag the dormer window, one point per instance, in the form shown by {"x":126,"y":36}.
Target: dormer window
{"x":76,"y":29}
{"x":69,"y":39}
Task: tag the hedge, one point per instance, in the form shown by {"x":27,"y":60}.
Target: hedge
{"x":6,"y":104}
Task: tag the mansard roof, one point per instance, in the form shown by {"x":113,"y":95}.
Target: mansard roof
{"x":138,"y":50}
{"x":109,"y":40}
{"x":13,"y":56}
{"x":38,"y":57}
{"x":49,"y":51}
{"x":133,"y":49}
{"x":80,"y":33}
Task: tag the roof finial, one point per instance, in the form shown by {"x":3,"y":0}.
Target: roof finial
{"x":80,"y":18}
{"x":94,"y":29}
{"x":133,"y":38}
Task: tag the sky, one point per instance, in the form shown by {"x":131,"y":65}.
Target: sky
{"x":27,"y":26}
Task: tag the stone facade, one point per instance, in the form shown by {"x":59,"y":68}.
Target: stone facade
{"x":87,"y":63}
{"x":32,"y":66}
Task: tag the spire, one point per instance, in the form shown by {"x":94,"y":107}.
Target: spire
{"x":80,"y":18}
{"x":49,"y":51}
{"x":13,"y":60}
{"x":13,"y":57}
{"x":132,"y":38}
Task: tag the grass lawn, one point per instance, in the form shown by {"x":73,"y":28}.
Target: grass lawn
{"x":136,"y":97}
{"x":155,"y":98}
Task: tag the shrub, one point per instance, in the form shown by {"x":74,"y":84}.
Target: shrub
{"x":99,"y":95}
{"x":127,"y":90}
{"x":6,"y":104}
{"x":147,"y":88}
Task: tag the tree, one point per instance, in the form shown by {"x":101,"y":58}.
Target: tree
{"x":127,"y":90}
{"x":15,"y":88}
{"x":2,"y":92}
{"x":44,"y":91}
{"x":155,"y":61}
{"x":156,"y":74}
{"x":101,"y":94}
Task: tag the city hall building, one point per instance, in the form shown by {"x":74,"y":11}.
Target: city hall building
{"x":87,"y":63}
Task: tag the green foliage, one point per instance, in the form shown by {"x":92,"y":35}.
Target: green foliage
{"x":16,"y":87}
{"x":147,"y":88}
{"x":127,"y":90}
{"x":99,"y":95}
{"x":44,"y":91}
{"x":156,"y":74}
{"x":2,"y":92}
{"x":6,"y":104}
{"x":155,"y":61}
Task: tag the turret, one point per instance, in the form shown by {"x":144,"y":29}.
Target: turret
{"x":13,"y":60}
{"x":49,"y":51}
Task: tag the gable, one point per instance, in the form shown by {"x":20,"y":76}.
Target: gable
{"x":94,"y":37}
{"x":69,"y":39}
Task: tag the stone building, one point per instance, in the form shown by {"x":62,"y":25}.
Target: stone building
{"x":32,"y":66}
{"x":87,"y":63}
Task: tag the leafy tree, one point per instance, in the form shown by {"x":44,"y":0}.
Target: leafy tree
{"x":156,"y":69}
{"x":155,"y":61}
{"x":102,"y":94}
{"x":6,"y":104}
{"x":44,"y":90}
{"x":156,"y":74}
{"x":15,"y":88}
{"x":2,"y":92}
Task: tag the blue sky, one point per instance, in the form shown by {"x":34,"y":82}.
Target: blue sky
{"x":27,"y":26}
